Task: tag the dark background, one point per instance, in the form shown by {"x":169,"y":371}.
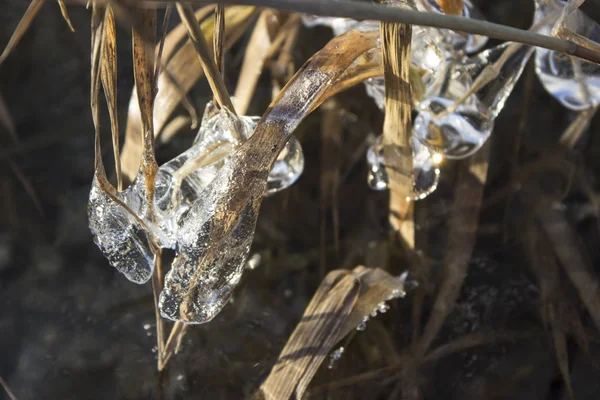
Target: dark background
{"x":71,"y":327}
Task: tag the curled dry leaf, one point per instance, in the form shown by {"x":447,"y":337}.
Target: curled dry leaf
{"x":342,"y":301}
{"x":177,"y":76}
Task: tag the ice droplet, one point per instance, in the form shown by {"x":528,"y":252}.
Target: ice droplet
{"x":425,"y":172}
{"x":427,"y":59}
{"x":459,"y":120}
{"x":335,"y":357}
{"x":120,"y":237}
{"x":575,"y":83}
{"x":363,"y":325}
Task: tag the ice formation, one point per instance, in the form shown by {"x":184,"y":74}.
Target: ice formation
{"x":575,"y":83}
{"x":186,"y":192}
{"x":425,"y":171}
{"x":459,"y":120}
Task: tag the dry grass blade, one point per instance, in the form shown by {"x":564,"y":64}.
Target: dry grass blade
{"x":569,"y":252}
{"x":341,"y":302}
{"x":283,"y":68}
{"x":552,"y":297}
{"x":464,"y":220}
{"x":313,"y":338}
{"x":180,"y":73}
{"x":9,"y":392}
{"x":215,"y":80}
{"x":109,"y":82}
{"x":7,"y":121}
{"x":161,"y":44}
{"x":260,"y":42}
{"x":33,"y":9}
{"x":237,"y":201}
{"x":453,"y":7}
{"x":331,"y":147}
{"x":397,"y":126}
{"x":65,"y":14}
{"x":462,"y":343}
{"x":218,"y":36}
{"x":27,"y":186}
{"x":179,"y":33}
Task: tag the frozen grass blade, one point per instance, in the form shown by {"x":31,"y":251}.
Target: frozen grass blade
{"x":144,"y":39}
{"x":109,"y":82}
{"x":34,"y":8}
{"x":464,"y":220}
{"x":225,"y":215}
{"x":179,"y":74}
{"x":65,"y":14}
{"x":255,"y":57}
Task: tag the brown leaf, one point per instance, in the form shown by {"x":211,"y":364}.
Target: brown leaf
{"x":33,"y":9}
{"x":144,"y":38}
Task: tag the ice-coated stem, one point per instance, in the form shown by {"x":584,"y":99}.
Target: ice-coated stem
{"x":216,"y":234}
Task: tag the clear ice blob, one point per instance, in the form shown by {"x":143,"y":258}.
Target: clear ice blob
{"x":457,"y":42}
{"x":120,"y":236}
{"x":459,"y":120}
{"x":287,"y":167}
{"x":426,"y":174}
{"x":575,"y":83}
{"x":427,"y":59}
{"x":126,"y":241}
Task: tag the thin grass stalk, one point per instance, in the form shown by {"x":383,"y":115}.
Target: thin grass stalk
{"x":218,"y":38}
{"x":109,"y":83}
{"x":34,"y":8}
{"x":463,"y":224}
{"x":215,"y":80}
